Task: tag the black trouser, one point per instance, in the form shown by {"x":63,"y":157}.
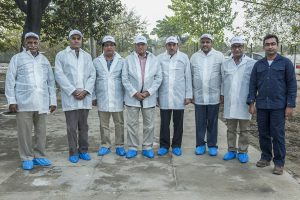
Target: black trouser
{"x":165,"y":116}
{"x":271,"y":125}
{"x":206,"y":122}
{"x":77,"y":120}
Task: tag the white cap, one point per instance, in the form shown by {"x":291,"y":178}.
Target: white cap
{"x":140,"y":39}
{"x":108,"y":38}
{"x":172,"y":39}
{"x":206,"y":35}
{"x":237,"y":40}
{"x":31,"y":34}
{"x":75,"y":32}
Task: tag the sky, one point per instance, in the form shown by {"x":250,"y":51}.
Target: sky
{"x":153,"y":10}
{"x":150,"y":10}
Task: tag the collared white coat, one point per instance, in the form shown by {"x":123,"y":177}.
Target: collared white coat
{"x":109,"y":90}
{"x":176,"y":85}
{"x":235,"y":86}
{"x":30,"y":83}
{"x":132,"y":80}
{"x":206,"y":76}
{"x":71,"y":73}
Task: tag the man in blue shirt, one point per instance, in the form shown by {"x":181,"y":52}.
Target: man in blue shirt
{"x":273,"y":88}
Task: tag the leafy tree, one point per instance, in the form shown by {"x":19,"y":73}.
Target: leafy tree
{"x":92,"y":17}
{"x":280,"y":17}
{"x":124,"y":27}
{"x":197,"y":17}
{"x":11,"y":17}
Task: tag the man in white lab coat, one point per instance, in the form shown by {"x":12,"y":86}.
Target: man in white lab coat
{"x":30,"y":92}
{"x":236,"y":72}
{"x":206,"y":76}
{"x":109,"y":94}
{"x":141,"y":77}
{"x":75,"y":74}
{"x":173,"y":94}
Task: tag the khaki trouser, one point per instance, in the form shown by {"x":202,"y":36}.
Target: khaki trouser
{"x":243,"y":141}
{"x":133,"y":127}
{"x":25,"y":121}
{"x":118,"y":119}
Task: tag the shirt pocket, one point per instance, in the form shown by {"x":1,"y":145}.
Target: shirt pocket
{"x":278,"y":72}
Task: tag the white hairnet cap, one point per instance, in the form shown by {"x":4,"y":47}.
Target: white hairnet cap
{"x":75,"y":32}
{"x":237,"y":40}
{"x":31,"y":34}
{"x":172,"y":39}
{"x":206,"y":35}
{"x":108,"y":38}
{"x":140,"y":39}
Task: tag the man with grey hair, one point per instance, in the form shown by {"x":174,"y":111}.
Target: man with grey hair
{"x":30,"y":92}
{"x":75,"y":74}
{"x":141,"y":77}
{"x":236,"y":72}
{"x":206,"y":76}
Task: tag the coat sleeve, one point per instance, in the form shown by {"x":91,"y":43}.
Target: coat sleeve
{"x":222,"y":78}
{"x":157,"y":80}
{"x":61,"y":78}
{"x":94,"y":96}
{"x":252,"y":86}
{"x":291,"y":85}
{"x":90,"y":82}
{"x":125,"y":80}
{"x":188,"y":81}
{"x":51,"y":86}
{"x":10,"y":82}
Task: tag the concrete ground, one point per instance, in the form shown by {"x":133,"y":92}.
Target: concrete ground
{"x":111,"y":177}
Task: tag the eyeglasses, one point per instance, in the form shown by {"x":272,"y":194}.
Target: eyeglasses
{"x":76,"y":38}
{"x":237,"y":46}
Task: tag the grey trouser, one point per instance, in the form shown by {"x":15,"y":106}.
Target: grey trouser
{"x":118,"y":119}
{"x":25,"y":120}
{"x":243,"y":141}
{"x":77,"y":119}
{"x":133,"y":127}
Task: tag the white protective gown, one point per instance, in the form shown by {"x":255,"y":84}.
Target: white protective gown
{"x":132,"y":80}
{"x":206,"y":76}
{"x":71,"y":73}
{"x":109,"y":90}
{"x":30,"y":83}
{"x":177,"y":81}
{"x":235,"y":86}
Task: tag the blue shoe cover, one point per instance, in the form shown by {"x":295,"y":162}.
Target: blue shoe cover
{"x":243,"y":157}
{"x":120,"y":151}
{"x":148,"y":153}
{"x":41,"y":161}
{"x":74,"y":159}
{"x":213,"y":151}
{"x":200,"y":150}
{"x":177,"y":151}
{"x":27,"y":165}
{"x":84,"y":156}
{"x":229,"y":155}
{"x":162,"y":151}
{"x":131,"y":153}
{"x":103,"y":151}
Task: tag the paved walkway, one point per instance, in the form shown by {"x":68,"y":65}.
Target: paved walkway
{"x":111,"y":177}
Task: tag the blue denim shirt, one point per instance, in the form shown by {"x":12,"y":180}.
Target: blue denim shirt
{"x":274,"y":86}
